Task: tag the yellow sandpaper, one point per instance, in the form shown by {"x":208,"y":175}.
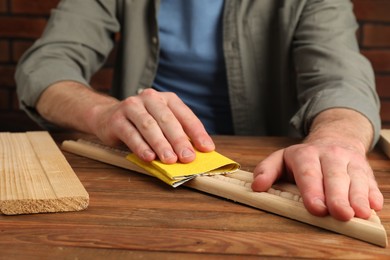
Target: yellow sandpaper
{"x":175,"y":174}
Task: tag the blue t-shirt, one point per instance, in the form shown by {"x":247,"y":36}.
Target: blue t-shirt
{"x":191,"y":60}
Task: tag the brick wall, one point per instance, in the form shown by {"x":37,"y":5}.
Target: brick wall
{"x":22,"y":21}
{"x":374,"y":40}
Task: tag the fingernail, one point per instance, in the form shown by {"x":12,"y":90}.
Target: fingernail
{"x":208,"y":143}
{"x":320,"y":203}
{"x":168,"y":154}
{"x":187,"y":153}
{"x":148,"y":155}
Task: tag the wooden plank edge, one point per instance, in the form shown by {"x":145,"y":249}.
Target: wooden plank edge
{"x":384,"y":141}
{"x":111,"y":157}
{"x":26,"y":206}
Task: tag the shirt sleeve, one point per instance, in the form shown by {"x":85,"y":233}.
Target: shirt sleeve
{"x":331,"y":72}
{"x":75,"y":44}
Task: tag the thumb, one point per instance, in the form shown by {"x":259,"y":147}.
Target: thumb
{"x":268,"y":171}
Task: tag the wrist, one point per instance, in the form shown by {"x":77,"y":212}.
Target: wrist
{"x":337,"y":138}
{"x":95,"y":113}
{"x":342,"y":126}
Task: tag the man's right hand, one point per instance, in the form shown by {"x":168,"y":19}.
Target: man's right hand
{"x":152,"y":124}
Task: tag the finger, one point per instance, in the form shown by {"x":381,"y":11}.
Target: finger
{"x":129,"y":135}
{"x":268,"y":171}
{"x":375,"y":196}
{"x":359,"y":190}
{"x":336,"y":184}
{"x":303,"y":161}
{"x":191,"y":124}
{"x":170,"y":127}
{"x":149,"y":129}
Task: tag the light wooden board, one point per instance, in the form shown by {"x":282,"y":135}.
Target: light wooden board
{"x":384,"y":141}
{"x":282,"y":199}
{"x":35,"y":176}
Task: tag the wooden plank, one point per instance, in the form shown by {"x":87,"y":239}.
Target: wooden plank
{"x":35,"y":176}
{"x":33,"y":251}
{"x":285,"y":204}
{"x":282,"y":199}
{"x":384,"y":141}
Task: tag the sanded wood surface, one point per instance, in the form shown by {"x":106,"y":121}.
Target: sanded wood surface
{"x":134,"y":216}
{"x":35,"y":176}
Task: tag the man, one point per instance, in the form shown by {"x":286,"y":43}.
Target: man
{"x":187,"y":69}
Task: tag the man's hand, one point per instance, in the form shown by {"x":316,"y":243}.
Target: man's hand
{"x":330,"y":167}
{"x":152,"y":124}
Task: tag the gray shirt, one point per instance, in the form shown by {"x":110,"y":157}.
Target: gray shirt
{"x":286,"y":60}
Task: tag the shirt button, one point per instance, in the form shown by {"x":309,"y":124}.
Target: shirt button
{"x":154,"y":40}
{"x":139,"y":91}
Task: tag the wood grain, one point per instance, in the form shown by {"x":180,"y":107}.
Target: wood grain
{"x":134,"y":216}
{"x":384,"y":141}
{"x":285,"y":202}
{"x":35,"y":176}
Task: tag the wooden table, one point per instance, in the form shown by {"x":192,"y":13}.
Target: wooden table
{"x":135,"y":216}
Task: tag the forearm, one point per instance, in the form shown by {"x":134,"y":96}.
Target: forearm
{"x":72,"y":105}
{"x":342,"y":124}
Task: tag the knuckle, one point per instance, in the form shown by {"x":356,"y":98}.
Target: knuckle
{"x":149,"y":93}
{"x":308,"y":174}
{"x":359,"y":171}
{"x":131,"y":101}
{"x":130,"y":133}
{"x":157,"y":144}
{"x":147,"y":122}
{"x":298,"y":151}
{"x":166,"y":118}
{"x":336,"y":151}
{"x":180,"y":140}
{"x":335,"y":173}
